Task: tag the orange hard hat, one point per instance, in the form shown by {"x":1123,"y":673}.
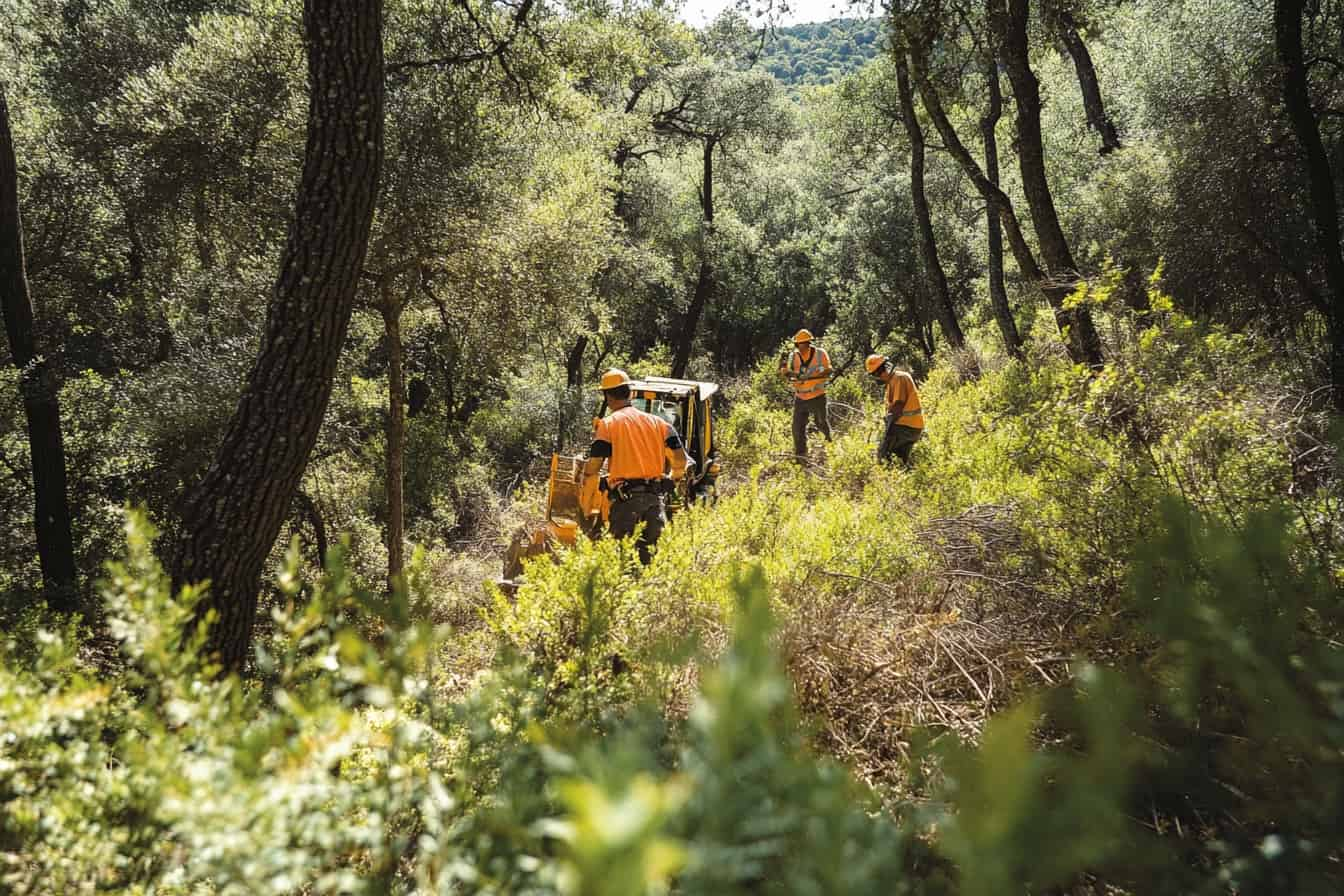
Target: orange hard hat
{"x":875,"y":362}
{"x":614,"y":378}
{"x":802,"y":336}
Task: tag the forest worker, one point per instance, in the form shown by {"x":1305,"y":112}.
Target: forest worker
{"x":905,"y":415}
{"x":808,"y":369}
{"x":637,"y":447}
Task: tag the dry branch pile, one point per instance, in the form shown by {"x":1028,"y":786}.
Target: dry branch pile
{"x":942,"y":648}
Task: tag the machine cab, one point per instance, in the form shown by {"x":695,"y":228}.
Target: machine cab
{"x":688,"y":406}
{"x":574,"y":502}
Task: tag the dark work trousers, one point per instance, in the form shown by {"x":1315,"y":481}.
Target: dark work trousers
{"x":805,"y":409}
{"x":640,"y":507}
{"x":898,"y":440}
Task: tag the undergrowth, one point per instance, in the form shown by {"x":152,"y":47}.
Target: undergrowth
{"x":1090,"y":641}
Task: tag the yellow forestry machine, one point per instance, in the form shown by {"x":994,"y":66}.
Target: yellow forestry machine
{"x":575,"y":506}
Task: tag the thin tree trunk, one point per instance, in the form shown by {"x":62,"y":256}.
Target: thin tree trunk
{"x":231,"y":518}
{"x":41,"y":405}
{"x":704,"y":283}
{"x":1011,"y":24}
{"x":998,"y":292}
{"x":942,"y":298}
{"x":925,"y":337}
{"x":574,"y":362}
{"x":308,"y":508}
{"x":1324,"y":208}
{"x":991,"y":192}
{"x":396,"y":435}
{"x":1088,"y":84}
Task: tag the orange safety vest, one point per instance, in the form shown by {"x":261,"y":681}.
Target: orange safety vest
{"x":810,"y":381}
{"x":638,"y":444}
{"x":903,"y":400}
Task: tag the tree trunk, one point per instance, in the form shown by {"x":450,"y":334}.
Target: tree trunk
{"x":574,"y":362}
{"x":1097,"y":118}
{"x":396,"y":435}
{"x":41,"y":404}
{"x":231,"y":518}
{"x":308,"y":508}
{"x":991,"y":192}
{"x":1324,"y":208}
{"x":925,"y":338}
{"x":942,"y":298}
{"x":1011,"y":24}
{"x":704,"y":283}
{"x":998,"y":293}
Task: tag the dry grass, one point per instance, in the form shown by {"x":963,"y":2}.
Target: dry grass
{"x":942,"y":649}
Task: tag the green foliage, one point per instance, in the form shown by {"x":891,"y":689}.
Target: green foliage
{"x":821,"y":52}
{"x":342,"y":770}
{"x":1239,"y":738}
{"x":781,"y":822}
{"x":660,"y":729}
{"x":1156,"y":543}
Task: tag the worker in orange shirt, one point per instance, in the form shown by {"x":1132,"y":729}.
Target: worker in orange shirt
{"x":808,"y":370}
{"x":637,"y":448}
{"x":905,"y":415}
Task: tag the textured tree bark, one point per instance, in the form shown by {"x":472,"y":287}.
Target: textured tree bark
{"x":1011,"y":25}
{"x":1324,"y":207}
{"x":396,"y":435}
{"x":998,"y":293}
{"x":704,"y":283}
{"x":928,"y":245}
{"x":231,"y":518}
{"x":37,"y":386}
{"x":1088,"y":84}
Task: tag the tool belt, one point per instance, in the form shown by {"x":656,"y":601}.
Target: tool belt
{"x":631,"y":487}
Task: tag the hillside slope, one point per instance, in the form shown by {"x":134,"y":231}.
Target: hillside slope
{"x":1089,"y":643}
{"x":822,"y":52}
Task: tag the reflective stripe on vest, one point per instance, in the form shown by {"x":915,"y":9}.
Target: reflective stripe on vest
{"x":806,"y":386}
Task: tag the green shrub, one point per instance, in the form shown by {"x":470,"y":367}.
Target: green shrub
{"x":340,"y":769}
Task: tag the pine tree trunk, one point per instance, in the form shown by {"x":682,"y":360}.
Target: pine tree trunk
{"x":928,"y":245}
{"x":41,"y":405}
{"x":396,"y":436}
{"x":1011,"y":24}
{"x":704,"y":284}
{"x":1324,"y":207}
{"x":998,"y":292}
{"x":231,"y":518}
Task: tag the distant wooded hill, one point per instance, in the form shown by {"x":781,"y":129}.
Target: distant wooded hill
{"x":822,"y":52}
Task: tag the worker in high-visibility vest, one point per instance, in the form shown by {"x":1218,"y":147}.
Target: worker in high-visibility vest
{"x":808,"y":370}
{"x":637,"y":447}
{"x":905,"y":415}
